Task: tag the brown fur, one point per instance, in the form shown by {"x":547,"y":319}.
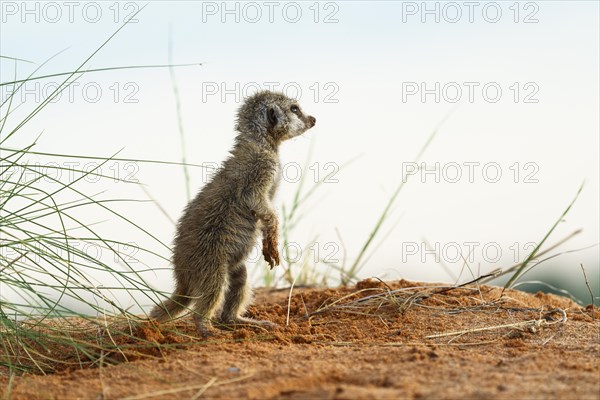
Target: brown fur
{"x":219,"y":227}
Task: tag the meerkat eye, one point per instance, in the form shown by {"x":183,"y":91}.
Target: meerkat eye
{"x":294,"y":109}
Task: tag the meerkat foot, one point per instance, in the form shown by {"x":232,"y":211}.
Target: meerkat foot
{"x":240,"y":321}
{"x":204,"y":328}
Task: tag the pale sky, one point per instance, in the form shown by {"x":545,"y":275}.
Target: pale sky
{"x":517,"y":83}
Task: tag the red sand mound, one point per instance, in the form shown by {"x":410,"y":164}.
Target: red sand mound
{"x":373,"y":341}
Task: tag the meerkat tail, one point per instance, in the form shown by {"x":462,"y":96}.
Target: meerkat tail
{"x":170,"y":308}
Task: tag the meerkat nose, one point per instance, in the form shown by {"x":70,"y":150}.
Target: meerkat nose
{"x":312,"y":121}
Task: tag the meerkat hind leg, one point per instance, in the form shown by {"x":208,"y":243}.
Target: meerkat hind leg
{"x":237,"y":297}
{"x":207,"y":301}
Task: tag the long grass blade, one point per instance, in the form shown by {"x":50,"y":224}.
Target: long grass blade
{"x":532,"y":255}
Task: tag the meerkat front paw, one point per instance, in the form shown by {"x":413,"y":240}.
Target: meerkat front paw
{"x":270,"y":251}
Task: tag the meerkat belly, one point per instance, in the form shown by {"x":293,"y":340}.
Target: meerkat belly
{"x":240,"y":235}
{"x":231,"y":229}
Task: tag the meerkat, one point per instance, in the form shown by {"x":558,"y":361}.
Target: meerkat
{"x":221,"y":224}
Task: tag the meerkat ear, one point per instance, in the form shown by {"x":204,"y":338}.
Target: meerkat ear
{"x":274,"y":116}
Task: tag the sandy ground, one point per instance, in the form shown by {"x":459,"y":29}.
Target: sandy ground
{"x":373,"y":341}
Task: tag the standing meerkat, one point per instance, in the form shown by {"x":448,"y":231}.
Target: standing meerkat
{"x":219,"y":227}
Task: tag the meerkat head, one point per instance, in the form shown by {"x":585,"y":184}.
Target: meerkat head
{"x":272,"y":117}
